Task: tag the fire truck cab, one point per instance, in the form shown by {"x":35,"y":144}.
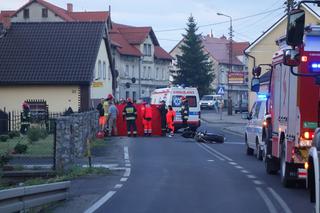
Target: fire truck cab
{"x":293,"y":107}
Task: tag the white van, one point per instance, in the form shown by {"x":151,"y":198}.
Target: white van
{"x":253,"y":134}
{"x":172,"y":96}
{"x":209,"y":101}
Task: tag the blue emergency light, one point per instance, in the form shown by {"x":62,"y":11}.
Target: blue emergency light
{"x":262,"y":97}
{"x":315,"y":67}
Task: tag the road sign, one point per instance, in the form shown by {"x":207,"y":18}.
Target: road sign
{"x":220,"y":91}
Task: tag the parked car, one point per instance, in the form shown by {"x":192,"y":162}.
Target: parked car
{"x":209,"y":101}
{"x":253,"y":133}
{"x":243,"y":108}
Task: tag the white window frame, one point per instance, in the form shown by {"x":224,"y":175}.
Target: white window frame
{"x":99,"y":70}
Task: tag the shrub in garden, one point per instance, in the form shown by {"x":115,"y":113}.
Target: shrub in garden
{"x":4,"y":159}
{"x":4,"y":138}
{"x":34,"y":134}
{"x":43,"y":133}
{"x":14,"y":134}
{"x":20,"y":148}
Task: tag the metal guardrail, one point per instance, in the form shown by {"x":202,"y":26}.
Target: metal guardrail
{"x":23,"y":198}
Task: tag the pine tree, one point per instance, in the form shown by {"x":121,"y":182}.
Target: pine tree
{"x":194,"y":68}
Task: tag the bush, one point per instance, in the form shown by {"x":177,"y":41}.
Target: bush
{"x":20,"y":148}
{"x":43,"y":133}
{"x":34,"y":134}
{"x":4,"y":159}
{"x":14,"y":134}
{"x":4,"y":138}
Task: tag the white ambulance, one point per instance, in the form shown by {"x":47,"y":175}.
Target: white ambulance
{"x":172,"y":96}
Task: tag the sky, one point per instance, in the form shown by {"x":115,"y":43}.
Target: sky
{"x":168,"y":18}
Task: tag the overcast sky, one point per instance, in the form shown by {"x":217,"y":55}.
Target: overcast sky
{"x":250,"y":17}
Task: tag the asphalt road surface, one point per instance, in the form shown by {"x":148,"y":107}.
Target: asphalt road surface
{"x":180,"y":175}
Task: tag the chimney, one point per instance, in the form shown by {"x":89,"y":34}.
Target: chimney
{"x":6,"y":21}
{"x":70,"y":7}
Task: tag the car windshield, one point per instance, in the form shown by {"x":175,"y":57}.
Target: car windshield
{"x":207,"y":98}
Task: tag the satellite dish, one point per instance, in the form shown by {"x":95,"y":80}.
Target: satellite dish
{"x":133,"y":80}
{"x":128,"y":85}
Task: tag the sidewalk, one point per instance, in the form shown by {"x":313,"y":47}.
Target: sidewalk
{"x":215,"y":118}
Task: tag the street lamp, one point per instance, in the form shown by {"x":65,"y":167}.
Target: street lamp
{"x":230,"y":62}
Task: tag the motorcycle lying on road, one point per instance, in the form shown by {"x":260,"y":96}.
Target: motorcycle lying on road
{"x":203,"y":136}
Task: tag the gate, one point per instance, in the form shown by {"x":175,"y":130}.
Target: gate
{"x":4,"y":120}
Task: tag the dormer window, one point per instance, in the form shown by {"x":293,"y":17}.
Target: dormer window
{"x":26,"y":13}
{"x":44,"y":13}
{"x":147,"y":49}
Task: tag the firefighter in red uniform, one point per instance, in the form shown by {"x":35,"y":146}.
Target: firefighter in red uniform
{"x":130,"y":114}
{"x":171,"y":114}
{"x":147,"y":119}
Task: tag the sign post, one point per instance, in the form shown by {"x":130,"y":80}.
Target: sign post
{"x":220,"y":91}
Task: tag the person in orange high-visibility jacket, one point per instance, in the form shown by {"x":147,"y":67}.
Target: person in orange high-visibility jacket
{"x":147,"y":119}
{"x":171,"y":114}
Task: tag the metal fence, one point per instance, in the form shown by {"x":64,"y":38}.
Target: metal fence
{"x":11,"y":121}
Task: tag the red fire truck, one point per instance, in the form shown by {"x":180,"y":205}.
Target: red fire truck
{"x":293,"y":106}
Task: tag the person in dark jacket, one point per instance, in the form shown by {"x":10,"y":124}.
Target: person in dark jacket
{"x":102,"y":118}
{"x":184,"y":112}
{"x":163,"y":112}
{"x":130,"y":115}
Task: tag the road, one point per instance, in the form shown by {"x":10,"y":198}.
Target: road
{"x":181,"y":175}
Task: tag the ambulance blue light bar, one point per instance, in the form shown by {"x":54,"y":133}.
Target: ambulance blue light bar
{"x":315,"y":67}
{"x":262,"y":97}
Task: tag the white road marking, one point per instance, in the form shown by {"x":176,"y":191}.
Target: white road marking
{"x":251,"y":176}
{"x":257,"y":182}
{"x":123,"y":179}
{"x":202,"y":147}
{"x":100,"y":202}
{"x":245,"y":171}
{"x":210,"y":160}
{"x":127,"y":172}
{"x":280,"y":201}
{"x":233,"y":163}
{"x":118,"y":186}
{"x":126,"y":153}
{"x":218,"y":153}
{"x":238,"y":167}
{"x":271,"y":207}
{"x":128,"y":164}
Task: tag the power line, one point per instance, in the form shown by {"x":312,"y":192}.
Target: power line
{"x":222,"y":22}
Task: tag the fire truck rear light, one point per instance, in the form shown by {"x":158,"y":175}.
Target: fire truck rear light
{"x":306,"y":165}
{"x":304,"y":58}
{"x":308,"y":135}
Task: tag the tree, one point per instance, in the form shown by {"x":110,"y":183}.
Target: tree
{"x":194,"y":67}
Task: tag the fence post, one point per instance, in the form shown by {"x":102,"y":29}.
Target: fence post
{"x":54,"y":144}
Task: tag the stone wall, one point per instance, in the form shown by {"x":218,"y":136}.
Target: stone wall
{"x":72,"y":133}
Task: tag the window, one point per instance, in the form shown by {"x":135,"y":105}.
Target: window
{"x":157,"y":71}
{"x":149,"y":50}
{"x":176,"y":101}
{"x":44,"y":13}
{"x":127,"y":94}
{"x":126,"y":73}
{"x":104,"y":70}
{"x":144,"y":72}
{"x":99,"y":70}
{"x":134,"y":96}
{"x":133,"y":73}
{"x":162,"y":74}
{"x":145,"y":49}
{"x":149,"y":72}
{"x":26,"y":13}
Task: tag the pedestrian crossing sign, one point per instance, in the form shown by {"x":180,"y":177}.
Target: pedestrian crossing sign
{"x":220,"y":91}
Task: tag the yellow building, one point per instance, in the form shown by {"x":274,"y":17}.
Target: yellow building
{"x":264,"y":47}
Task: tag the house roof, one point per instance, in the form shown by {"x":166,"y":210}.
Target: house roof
{"x":160,"y":53}
{"x":125,"y":37}
{"x":50,"y":53}
{"x":277,"y":23}
{"x":69,"y":15}
{"x":218,"y":49}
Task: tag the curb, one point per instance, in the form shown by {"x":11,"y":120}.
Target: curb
{"x":225,"y":122}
